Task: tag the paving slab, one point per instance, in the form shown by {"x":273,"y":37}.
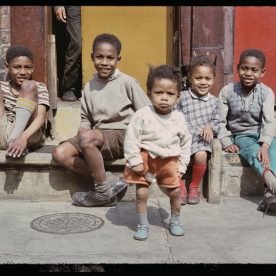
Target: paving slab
{"x":230,"y":232}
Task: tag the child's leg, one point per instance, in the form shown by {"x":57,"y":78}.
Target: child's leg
{"x":2,"y":108}
{"x":68,"y":156}
{"x":249,"y":148}
{"x":175,"y":227}
{"x":270,"y":174}
{"x":89,"y":142}
{"x":198,"y":171}
{"x":25,"y":106}
{"x":142,"y":192}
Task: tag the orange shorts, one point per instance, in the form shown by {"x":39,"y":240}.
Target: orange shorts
{"x":165,"y":171}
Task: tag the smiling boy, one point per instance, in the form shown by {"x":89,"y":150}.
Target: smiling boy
{"x":109,"y":100}
{"x":247,"y":118}
{"x":23,"y":105}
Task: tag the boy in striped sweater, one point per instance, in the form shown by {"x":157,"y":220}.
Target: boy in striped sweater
{"x":23,"y":105}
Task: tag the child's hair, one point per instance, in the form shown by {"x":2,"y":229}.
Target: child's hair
{"x":164,"y":71}
{"x":252,"y":52}
{"x":108,"y":38}
{"x":15,"y":51}
{"x":202,"y":60}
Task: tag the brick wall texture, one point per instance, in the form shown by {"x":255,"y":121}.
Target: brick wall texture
{"x":5,"y":38}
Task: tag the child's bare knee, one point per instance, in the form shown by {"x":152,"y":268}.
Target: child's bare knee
{"x":29,"y":90}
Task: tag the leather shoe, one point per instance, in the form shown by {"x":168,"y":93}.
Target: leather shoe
{"x":69,"y":96}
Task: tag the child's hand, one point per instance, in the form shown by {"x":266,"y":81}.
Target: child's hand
{"x":16,"y":147}
{"x":263,"y":155}
{"x":207,"y":133}
{"x":232,"y":148}
{"x":180,"y":174}
{"x":139,"y":169}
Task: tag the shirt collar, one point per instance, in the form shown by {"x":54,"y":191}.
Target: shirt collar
{"x":203,"y":98}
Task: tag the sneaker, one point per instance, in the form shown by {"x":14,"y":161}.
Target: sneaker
{"x":150,"y":178}
{"x":142,"y":232}
{"x":194,"y":196}
{"x":183,"y":192}
{"x":176,"y":229}
{"x":88,"y":199}
{"x":119,"y":189}
{"x":267,"y":204}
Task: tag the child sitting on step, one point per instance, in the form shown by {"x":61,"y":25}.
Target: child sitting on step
{"x":108,"y":102}
{"x":158,"y":141}
{"x":200,"y":109}
{"x":247,"y":119}
{"x":23,"y":105}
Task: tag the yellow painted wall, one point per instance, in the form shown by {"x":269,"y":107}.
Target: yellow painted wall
{"x":145,"y":33}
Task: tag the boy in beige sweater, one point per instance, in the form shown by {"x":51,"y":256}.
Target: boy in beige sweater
{"x":108,"y":102}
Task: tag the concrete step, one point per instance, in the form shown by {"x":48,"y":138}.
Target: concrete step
{"x":66,"y":120}
{"x":37,"y":177}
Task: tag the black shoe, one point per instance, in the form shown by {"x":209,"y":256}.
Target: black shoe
{"x":88,"y":199}
{"x":69,"y":96}
{"x":267,"y":204}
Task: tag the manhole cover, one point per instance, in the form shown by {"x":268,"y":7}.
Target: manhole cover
{"x":67,"y":223}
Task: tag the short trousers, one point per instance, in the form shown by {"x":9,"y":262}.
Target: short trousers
{"x":112,"y":147}
{"x":6,"y":127}
{"x":164,"y":169}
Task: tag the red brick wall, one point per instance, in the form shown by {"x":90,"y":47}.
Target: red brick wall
{"x":255,"y":27}
{"x":5,"y":38}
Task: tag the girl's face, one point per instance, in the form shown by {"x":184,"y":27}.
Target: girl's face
{"x":164,"y":95}
{"x":20,"y":69}
{"x":250,"y":72}
{"x":105,"y":58}
{"x":201,"y":80}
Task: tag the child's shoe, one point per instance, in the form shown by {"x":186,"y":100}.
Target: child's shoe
{"x":194,"y":196}
{"x":142,"y":232}
{"x":176,"y":229}
{"x":183,"y":192}
{"x":150,"y":178}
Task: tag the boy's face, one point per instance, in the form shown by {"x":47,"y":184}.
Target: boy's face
{"x":164,"y":95}
{"x":250,"y":72}
{"x":20,"y":69}
{"x":105,"y":58}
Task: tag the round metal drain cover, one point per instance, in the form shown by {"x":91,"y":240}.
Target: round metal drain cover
{"x":67,"y":223}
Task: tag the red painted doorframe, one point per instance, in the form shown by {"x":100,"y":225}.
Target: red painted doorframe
{"x":255,"y":27}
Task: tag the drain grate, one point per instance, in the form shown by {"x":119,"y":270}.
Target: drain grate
{"x":67,"y":223}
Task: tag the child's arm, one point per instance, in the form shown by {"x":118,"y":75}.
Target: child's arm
{"x":86,"y":110}
{"x":212,"y":128}
{"x":225,"y":136}
{"x":185,"y":145}
{"x":132,"y":143}
{"x":137,"y":96}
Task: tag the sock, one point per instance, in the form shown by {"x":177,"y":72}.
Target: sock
{"x":197,"y":174}
{"x":23,"y":111}
{"x":270,"y":180}
{"x":102,"y":190}
{"x":143,"y":219}
{"x":174,"y":216}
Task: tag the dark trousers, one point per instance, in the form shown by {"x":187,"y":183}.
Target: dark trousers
{"x":72,"y":77}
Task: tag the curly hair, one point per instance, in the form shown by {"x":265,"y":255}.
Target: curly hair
{"x":252,"y":52}
{"x":164,"y":71}
{"x":107,"y":38}
{"x":15,"y":51}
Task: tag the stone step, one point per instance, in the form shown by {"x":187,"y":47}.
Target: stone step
{"x":230,"y":175}
{"x":66,"y":120}
{"x":37,"y":177}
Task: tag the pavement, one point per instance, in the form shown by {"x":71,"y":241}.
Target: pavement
{"x":232,"y":232}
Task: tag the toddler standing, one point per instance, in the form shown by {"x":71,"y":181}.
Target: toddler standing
{"x":158,"y":141}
